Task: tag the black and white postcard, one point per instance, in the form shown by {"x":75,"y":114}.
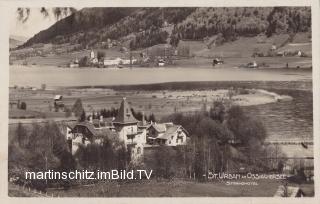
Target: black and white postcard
{"x":161,"y":101}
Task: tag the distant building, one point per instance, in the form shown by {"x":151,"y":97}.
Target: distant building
{"x":161,"y":63}
{"x":74,"y":64}
{"x":94,"y":60}
{"x":58,"y":99}
{"x":299,"y":53}
{"x":92,"y":55}
{"x":217,"y":61}
{"x":112,"y":62}
{"x":252,"y":64}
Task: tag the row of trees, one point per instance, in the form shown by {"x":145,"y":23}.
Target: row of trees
{"x":211,"y":134}
{"x":113,"y":112}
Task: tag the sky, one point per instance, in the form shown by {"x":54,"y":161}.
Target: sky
{"x":32,"y":26}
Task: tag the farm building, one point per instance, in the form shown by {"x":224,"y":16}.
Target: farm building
{"x":58,"y":102}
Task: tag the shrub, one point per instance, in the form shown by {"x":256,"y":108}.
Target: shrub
{"x":23,"y":106}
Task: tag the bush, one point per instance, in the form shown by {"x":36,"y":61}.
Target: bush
{"x":23,"y":106}
{"x":101,"y":55}
{"x":84,"y":61}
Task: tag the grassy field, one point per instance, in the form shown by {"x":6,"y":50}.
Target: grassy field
{"x":177,"y":188}
{"x":160,"y":99}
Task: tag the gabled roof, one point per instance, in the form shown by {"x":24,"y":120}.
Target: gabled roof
{"x":125,"y":115}
{"x":159,"y":127}
{"x":171,"y":130}
{"x":104,"y":132}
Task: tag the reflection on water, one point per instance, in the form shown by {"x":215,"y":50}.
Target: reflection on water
{"x":287,"y":119}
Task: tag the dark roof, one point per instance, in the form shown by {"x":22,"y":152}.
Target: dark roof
{"x":102,"y":132}
{"x":125,"y":115}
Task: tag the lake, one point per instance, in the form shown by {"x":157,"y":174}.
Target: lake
{"x":283,"y":120}
{"x":55,"y":77}
{"x":287,"y":119}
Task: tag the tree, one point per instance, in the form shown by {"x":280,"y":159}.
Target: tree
{"x":152,"y":118}
{"x":248,"y":130}
{"x":68,"y":112}
{"x":84,"y":61}
{"x":23,"y":105}
{"x":83,"y":116}
{"x":21,"y":134}
{"x":165,"y":167}
{"x":78,"y":108}
{"x":217,"y":112}
{"x":111,"y":154}
{"x":101,"y":55}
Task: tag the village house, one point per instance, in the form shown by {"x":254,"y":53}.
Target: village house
{"x":85,"y":133}
{"x":118,"y":61}
{"x":74,"y":64}
{"x":58,"y":103}
{"x":167,"y":134}
{"x":112,"y":61}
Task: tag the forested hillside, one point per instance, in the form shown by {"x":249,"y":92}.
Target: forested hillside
{"x":145,"y":27}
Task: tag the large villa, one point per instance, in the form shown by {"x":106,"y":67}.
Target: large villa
{"x":135,"y":134}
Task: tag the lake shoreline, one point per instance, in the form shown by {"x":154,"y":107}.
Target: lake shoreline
{"x":23,"y":76}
